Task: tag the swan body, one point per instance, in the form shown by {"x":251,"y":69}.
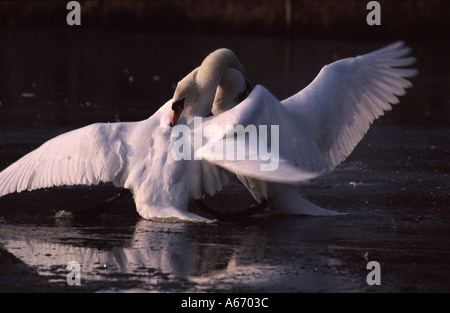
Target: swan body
{"x":130,"y":155}
{"x":318,"y":128}
{"x":136,"y":155}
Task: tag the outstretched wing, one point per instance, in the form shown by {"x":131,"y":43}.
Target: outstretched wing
{"x":338,"y":107}
{"x":85,"y":156}
{"x":258,"y":139}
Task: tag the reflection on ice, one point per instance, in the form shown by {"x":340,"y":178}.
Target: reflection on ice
{"x":161,"y":257}
{"x":154,"y":251}
{"x":164,"y":250}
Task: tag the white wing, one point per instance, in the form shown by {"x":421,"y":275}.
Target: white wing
{"x":338,"y":107}
{"x":87,"y":156}
{"x":293,"y":156}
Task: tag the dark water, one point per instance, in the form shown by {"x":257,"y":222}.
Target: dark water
{"x":395,"y":184}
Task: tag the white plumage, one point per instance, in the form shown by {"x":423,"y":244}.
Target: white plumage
{"x":77,"y":157}
{"x":321,"y":124}
{"x":338,"y":107}
{"x":319,"y":127}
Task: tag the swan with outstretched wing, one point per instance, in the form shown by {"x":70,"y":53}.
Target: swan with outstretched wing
{"x":138,"y":155}
{"x":307,"y":135}
{"x":320,"y":125}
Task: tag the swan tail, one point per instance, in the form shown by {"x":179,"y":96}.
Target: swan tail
{"x":287,"y":200}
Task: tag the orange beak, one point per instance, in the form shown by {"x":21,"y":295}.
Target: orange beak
{"x":177,"y":109}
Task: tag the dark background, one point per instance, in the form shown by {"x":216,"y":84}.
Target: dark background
{"x":410,"y":19}
{"x":28,"y":28}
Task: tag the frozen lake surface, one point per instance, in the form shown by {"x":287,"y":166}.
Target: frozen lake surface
{"x":395,"y":185}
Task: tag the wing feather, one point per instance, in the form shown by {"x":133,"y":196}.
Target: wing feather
{"x":297,"y":158}
{"x":85,"y":156}
{"x":341,"y":103}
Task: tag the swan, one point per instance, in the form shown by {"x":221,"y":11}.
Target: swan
{"x":321,"y":124}
{"x":137,"y":155}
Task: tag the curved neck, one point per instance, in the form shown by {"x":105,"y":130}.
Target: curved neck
{"x":199,"y":87}
{"x":210,"y":74}
{"x":232,"y":84}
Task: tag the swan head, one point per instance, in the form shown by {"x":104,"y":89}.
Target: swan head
{"x":220,"y":78}
{"x":177,"y":108}
{"x":185,"y":98}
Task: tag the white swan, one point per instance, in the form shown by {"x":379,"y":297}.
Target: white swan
{"x":137,"y":155}
{"x":320,"y":125}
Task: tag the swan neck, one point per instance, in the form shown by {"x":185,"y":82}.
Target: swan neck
{"x":210,"y":74}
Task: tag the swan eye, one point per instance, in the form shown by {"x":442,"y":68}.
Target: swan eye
{"x":178,"y":103}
